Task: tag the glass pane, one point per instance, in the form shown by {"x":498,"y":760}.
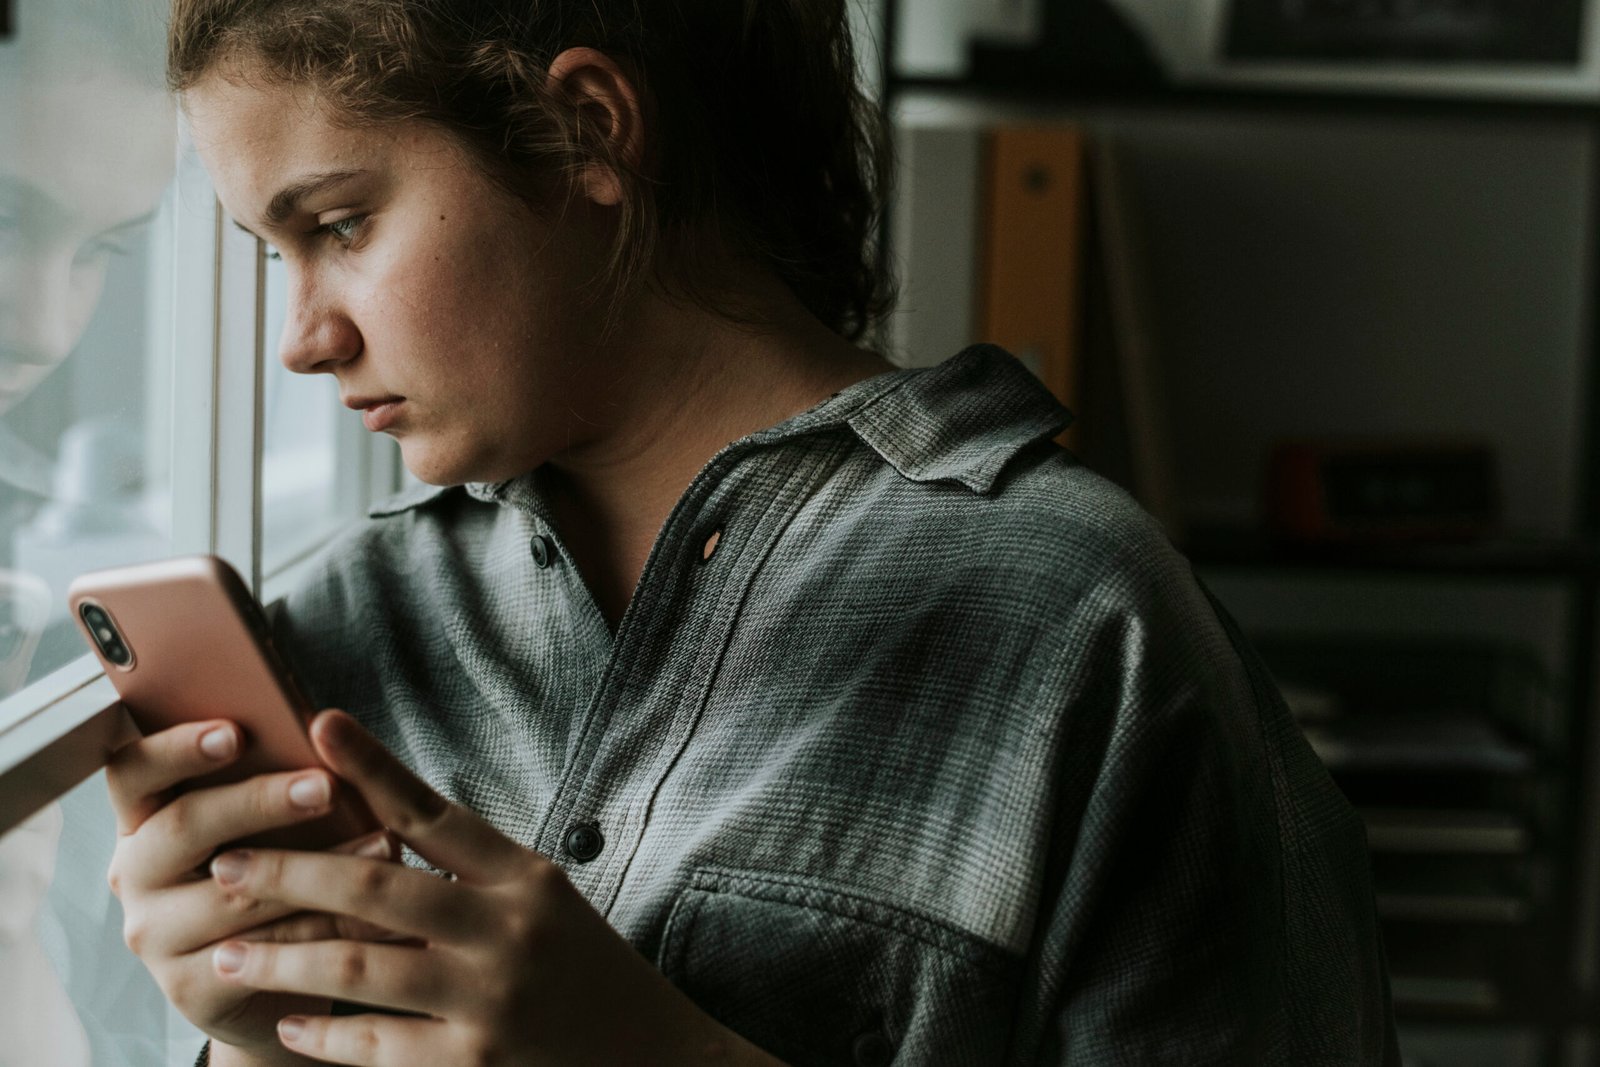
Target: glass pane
{"x":86,"y":162}
{"x":301,"y":498}
{"x":71,"y":994}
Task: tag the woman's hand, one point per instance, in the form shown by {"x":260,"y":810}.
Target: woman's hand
{"x":508,"y":964}
{"x":174,"y":913}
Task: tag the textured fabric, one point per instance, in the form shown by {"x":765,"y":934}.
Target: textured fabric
{"x":943,"y":757}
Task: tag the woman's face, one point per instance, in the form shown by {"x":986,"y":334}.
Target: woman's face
{"x":444,"y":307}
{"x":84,"y":156}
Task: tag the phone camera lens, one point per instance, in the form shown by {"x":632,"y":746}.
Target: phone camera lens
{"x":105,"y":635}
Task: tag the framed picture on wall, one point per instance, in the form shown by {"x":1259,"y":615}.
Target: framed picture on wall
{"x":1414,"y":32}
{"x":1529,"y":49}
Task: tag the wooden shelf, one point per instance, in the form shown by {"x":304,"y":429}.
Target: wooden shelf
{"x":1025,"y":91}
{"x":1250,"y":549}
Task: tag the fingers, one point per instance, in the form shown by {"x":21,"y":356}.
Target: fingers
{"x":320,"y":926}
{"x":188,"y":831}
{"x":185,"y":918}
{"x":366,"y":1040}
{"x":384,"y":976}
{"x":447,"y":835}
{"x":388,"y":895}
{"x":140,"y":773}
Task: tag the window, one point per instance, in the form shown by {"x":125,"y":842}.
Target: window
{"x":141,"y":415}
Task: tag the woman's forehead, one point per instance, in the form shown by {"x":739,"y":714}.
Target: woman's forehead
{"x":96,"y":148}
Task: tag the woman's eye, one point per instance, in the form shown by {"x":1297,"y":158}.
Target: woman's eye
{"x":345,"y":229}
{"x":100,"y":250}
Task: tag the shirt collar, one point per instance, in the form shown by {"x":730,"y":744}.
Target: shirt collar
{"x":961,"y":421}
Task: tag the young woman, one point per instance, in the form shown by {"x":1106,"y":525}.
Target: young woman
{"x":739,"y":698}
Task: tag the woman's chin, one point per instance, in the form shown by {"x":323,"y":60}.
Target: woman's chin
{"x":430,"y":466}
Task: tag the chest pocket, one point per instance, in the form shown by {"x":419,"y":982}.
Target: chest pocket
{"x":821,"y":978}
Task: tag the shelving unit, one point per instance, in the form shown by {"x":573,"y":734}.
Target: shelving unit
{"x":1533,"y":830}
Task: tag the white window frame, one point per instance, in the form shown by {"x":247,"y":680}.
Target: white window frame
{"x":63,"y":728}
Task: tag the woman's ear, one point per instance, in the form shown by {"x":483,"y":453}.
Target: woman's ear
{"x":600,"y":92}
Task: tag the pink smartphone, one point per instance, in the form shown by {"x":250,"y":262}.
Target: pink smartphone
{"x":183,"y":640}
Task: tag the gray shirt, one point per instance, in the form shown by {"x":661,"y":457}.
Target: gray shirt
{"x":943,"y":756}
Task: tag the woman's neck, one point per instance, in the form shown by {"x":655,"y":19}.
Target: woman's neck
{"x":690,"y":382}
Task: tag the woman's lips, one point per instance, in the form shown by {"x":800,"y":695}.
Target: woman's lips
{"x":381,"y":416}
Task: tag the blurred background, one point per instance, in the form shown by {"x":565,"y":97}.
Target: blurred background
{"x":1318,"y":278}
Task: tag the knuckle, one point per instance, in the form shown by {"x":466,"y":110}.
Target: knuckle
{"x":240,"y":906}
{"x":179,"y":986}
{"x":413,"y":983}
{"x":178,"y":818}
{"x":374,"y":879}
{"x":262,"y":963}
{"x":135,"y":933}
{"x":269,"y":799}
{"x":422,"y":819}
{"x":525,"y":931}
{"x":545,"y":878}
{"x":350,"y":965}
{"x":482,"y":1051}
{"x":367,"y":1041}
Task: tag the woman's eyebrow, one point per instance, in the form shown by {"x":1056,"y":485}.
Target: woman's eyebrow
{"x":132,"y":224}
{"x":287,"y":200}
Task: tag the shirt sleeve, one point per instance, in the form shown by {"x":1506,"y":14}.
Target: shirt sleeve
{"x":1208,"y":896}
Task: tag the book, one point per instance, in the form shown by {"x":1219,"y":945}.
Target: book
{"x":1453,"y":908}
{"x":1430,"y":831}
{"x":1423,"y":741}
{"x":1031,"y":274}
{"x":1136,"y":378}
{"x":935,"y":230}
{"x":1433,"y":991}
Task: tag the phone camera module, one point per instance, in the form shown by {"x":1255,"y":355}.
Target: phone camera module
{"x":105,"y":635}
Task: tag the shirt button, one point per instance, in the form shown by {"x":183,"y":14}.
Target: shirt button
{"x":584,"y":842}
{"x":873,"y":1050}
{"x":709,"y":549}
{"x":543,"y":553}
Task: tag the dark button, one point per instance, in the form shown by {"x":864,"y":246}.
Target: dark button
{"x":544,"y":553}
{"x":873,"y":1050}
{"x":584,"y":842}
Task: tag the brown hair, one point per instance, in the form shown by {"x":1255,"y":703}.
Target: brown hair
{"x":760,"y":139}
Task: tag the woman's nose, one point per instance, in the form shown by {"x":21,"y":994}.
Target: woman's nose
{"x":44,"y":307}
{"x":317,"y":339}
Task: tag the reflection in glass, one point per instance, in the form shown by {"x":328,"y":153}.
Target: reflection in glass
{"x":87,"y":145}
{"x":87,"y":142}
{"x":71,"y":994}
{"x":35,"y":1013}
{"x":299,"y":484}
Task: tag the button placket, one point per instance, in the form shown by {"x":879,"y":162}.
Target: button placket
{"x":616,"y":764}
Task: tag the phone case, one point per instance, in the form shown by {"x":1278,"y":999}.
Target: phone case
{"x":201,"y":649}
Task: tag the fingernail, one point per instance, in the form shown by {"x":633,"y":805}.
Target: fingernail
{"x":311,"y":792}
{"x":219,"y":743}
{"x":291,"y":1027}
{"x":229,"y":867}
{"x":375,"y":848}
{"x":229,"y":959}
